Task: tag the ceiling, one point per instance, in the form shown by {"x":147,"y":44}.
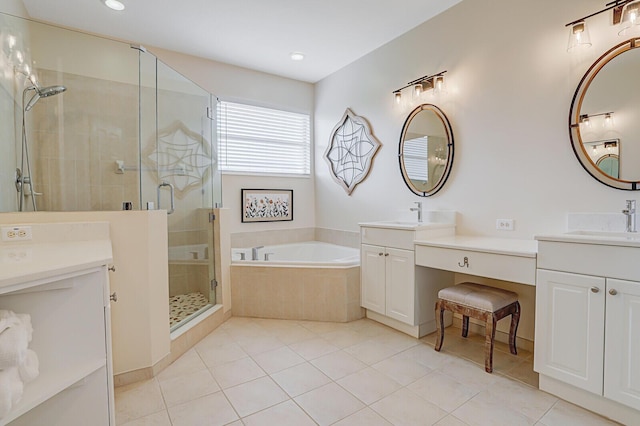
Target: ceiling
{"x":256,"y":34}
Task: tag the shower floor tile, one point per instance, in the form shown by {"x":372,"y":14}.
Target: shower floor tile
{"x":183,"y":305}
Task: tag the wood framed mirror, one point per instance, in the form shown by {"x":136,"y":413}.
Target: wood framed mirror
{"x":426,"y":150}
{"x":604,"y":121}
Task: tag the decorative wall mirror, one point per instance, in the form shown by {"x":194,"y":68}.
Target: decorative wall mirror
{"x":604,"y":122}
{"x":426,"y":150}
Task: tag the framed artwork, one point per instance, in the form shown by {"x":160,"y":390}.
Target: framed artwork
{"x":351,"y":150}
{"x":267,"y":205}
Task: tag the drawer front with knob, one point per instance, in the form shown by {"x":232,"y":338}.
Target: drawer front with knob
{"x":498,"y":266}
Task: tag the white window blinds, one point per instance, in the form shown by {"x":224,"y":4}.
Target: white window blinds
{"x":263,"y":140}
{"x":416,"y":154}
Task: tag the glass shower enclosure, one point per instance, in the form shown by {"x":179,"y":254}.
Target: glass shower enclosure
{"x":91,"y":124}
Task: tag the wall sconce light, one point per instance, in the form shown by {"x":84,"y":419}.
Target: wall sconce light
{"x":421,"y":85}
{"x":625,"y":12}
{"x":585,"y":119}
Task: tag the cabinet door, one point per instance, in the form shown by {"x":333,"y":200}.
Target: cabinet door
{"x":372,"y":278}
{"x":570,"y":328}
{"x":400,"y":277}
{"x":622,"y":343}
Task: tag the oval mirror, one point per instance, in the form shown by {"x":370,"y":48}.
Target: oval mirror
{"x":604,"y":122}
{"x":426,"y":150}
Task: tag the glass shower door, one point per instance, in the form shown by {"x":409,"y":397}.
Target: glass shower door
{"x":181,"y":151}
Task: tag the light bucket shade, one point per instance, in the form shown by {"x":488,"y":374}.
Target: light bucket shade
{"x":578,"y":36}
{"x":630,"y":18}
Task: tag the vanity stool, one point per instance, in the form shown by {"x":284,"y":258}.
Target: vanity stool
{"x":482,"y":302}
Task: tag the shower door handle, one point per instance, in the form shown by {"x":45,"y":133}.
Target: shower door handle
{"x":172,"y":199}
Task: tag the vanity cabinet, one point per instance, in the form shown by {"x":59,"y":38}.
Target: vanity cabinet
{"x":393,"y":289}
{"x":587,"y":324}
{"x":388,"y":282}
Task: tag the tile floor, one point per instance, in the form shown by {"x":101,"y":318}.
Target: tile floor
{"x":278,"y":373}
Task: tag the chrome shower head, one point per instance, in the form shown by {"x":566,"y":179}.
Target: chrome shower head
{"x":43,"y":92}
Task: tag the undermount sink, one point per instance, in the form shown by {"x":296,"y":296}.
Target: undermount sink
{"x":582,"y":236}
{"x":406,"y":224}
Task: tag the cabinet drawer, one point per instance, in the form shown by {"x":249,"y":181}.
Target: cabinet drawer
{"x":396,"y":238}
{"x":518,"y":269}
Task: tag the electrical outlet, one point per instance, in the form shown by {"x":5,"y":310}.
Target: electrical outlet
{"x":16,"y":233}
{"x":504,"y":224}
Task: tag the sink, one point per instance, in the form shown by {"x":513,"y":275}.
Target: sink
{"x":407,"y":224}
{"x":582,"y":236}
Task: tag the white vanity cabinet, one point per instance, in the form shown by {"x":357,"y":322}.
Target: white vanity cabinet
{"x":393,"y":289}
{"x":588,"y":323}
{"x":64,"y":289}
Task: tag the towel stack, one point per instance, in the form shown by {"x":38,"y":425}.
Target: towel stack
{"x":18,"y":363}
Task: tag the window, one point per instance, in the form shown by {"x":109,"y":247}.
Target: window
{"x":263,"y":140}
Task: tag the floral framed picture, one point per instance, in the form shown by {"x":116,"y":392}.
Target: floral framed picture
{"x":267,"y":205}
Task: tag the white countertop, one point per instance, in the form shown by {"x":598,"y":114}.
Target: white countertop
{"x":625,"y":239}
{"x":408,"y":225}
{"x":506,"y":246}
{"x":41,"y":258}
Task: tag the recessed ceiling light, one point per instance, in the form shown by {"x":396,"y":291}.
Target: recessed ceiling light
{"x":297,"y":56}
{"x":113,"y":4}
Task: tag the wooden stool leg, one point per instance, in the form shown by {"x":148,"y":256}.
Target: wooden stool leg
{"x":465,"y":325}
{"x":439,"y":325}
{"x":515,"y":319}
{"x":488,"y":344}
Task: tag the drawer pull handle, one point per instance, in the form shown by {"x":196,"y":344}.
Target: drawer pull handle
{"x":613,"y":292}
{"x":112,"y":268}
{"x":595,"y":290}
{"x":380,"y":254}
{"x":114,"y":296}
{"x":465,"y":262}
{"x":386,"y":254}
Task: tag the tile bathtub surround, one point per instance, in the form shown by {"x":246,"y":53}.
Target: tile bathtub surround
{"x":280,"y":372}
{"x":288,"y":236}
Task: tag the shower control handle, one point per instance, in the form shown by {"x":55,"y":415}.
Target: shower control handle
{"x":171,"y":192}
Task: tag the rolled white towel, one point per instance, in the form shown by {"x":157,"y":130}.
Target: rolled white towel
{"x":30,"y":368}
{"x":13,"y":346}
{"x":26,"y":323}
{"x":11,"y":388}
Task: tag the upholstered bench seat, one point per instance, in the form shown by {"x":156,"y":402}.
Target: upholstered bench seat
{"x":488,"y":304}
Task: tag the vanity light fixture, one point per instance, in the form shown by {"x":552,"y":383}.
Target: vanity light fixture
{"x":585,"y":119}
{"x":421,"y":85}
{"x":625,"y":12}
{"x":114,"y":4}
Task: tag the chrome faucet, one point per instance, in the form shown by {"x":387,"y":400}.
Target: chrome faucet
{"x":630,"y":212}
{"x":254,"y":252}
{"x":417,"y":209}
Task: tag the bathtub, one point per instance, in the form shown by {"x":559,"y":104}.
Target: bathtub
{"x":303,"y":281}
{"x":306,"y":254}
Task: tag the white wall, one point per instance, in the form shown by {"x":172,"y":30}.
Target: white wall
{"x":233,"y":83}
{"x":14,"y":7}
{"x":510,"y":85}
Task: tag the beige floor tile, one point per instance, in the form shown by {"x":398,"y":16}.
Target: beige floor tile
{"x":442,"y":390}
{"x":425,"y":355}
{"x":344,"y":338}
{"x":364,"y":417}
{"x":189,"y":362}
{"x":480,"y":411}
{"x":523,"y":372}
{"x":322,"y":327}
{"x":566,"y":414}
{"x":300,"y":379}
{"x":258,"y":345}
{"x":283,"y":414}
{"x":472,"y":375}
{"x":216,"y":338}
{"x":256,"y":395}
{"x":295,"y":334}
{"x":138,"y":400}
{"x":328,"y":404}
{"x":402,"y":369}
{"x":160,"y":418}
{"x":188,"y":386}
{"x":210,"y":410}
{"x":313,"y":348}
{"x":369,"y":385}
{"x":404,"y":408}
{"x":395,"y":340}
{"x":451,"y":420}
{"x":237,"y":372}
{"x":278,"y":359}
{"x":338,"y":364}
{"x":217,"y":355}
{"x":371,"y":352}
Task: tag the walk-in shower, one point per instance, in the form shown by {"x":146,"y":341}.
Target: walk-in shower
{"x":24,"y":176}
{"x":128,"y":131}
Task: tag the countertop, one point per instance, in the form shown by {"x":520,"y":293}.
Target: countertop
{"x":624,"y":239}
{"x":505,"y":246}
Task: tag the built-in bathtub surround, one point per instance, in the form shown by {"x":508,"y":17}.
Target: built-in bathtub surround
{"x":286,"y":236}
{"x":321,"y":289}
